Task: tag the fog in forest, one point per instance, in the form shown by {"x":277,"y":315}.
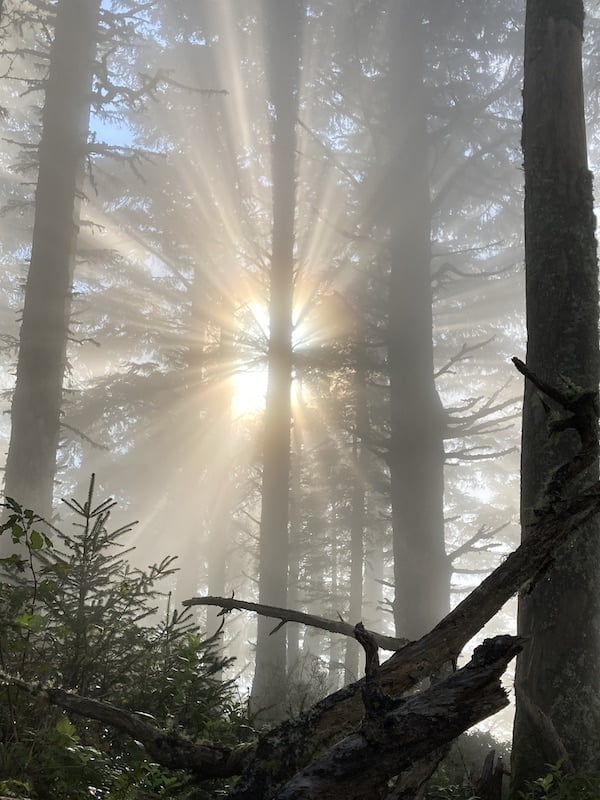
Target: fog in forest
{"x":276,"y":283}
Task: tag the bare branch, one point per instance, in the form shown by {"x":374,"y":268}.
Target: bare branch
{"x":483,"y":533}
{"x":289,"y":615}
{"x":462,"y":355}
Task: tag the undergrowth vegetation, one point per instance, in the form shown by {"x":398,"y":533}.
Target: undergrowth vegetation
{"x":75,"y":614}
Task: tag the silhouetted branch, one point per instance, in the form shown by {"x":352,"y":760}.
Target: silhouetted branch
{"x":483,"y":533}
{"x":462,"y":355}
{"x":228,"y":604}
{"x":581,"y":405}
{"x":476,"y":454}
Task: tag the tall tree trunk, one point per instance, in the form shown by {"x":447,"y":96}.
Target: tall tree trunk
{"x":293,"y":629}
{"x":223,"y":499}
{"x":36,"y":406}
{"x":335,"y":641}
{"x":284,"y":18}
{"x":560,"y":617}
{"x":416,"y":457}
{"x":357,"y":523}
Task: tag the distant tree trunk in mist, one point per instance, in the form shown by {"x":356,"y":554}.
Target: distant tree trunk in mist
{"x":284,"y":19}
{"x":293,"y":629}
{"x":222,"y":499}
{"x":560,"y":617}
{"x":190,"y":551}
{"x":206,"y":558}
{"x":335,"y":642}
{"x":416,"y":456}
{"x":36,"y":405}
{"x":357,"y":522}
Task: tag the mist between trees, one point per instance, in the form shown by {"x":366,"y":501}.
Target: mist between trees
{"x":264,"y":272}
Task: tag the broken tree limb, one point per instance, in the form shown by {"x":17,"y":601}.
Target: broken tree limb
{"x":358,"y":768}
{"x":375,"y":701}
{"x":582,"y":411}
{"x":339,"y":713}
{"x":167,"y":748}
{"x":289,"y":615}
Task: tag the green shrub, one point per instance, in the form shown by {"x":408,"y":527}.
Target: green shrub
{"x":75,"y":614}
{"x":560,"y":785}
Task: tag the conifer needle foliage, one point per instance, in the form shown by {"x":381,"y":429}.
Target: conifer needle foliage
{"x":74,"y":613}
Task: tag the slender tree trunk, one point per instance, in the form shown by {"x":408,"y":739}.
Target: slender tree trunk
{"x":191,"y":555}
{"x":335,"y":641}
{"x":357,"y":525}
{"x":223,"y":500}
{"x":416,"y":457}
{"x":373,"y":580}
{"x":293,"y":629}
{"x":560,"y":617}
{"x":284,"y":18}
{"x":36,"y":406}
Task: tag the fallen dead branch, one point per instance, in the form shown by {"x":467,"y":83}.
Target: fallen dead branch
{"x":289,"y":615}
{"x":167,"y":748}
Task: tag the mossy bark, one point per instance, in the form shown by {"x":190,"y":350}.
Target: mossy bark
{"x":36,"y":405}
{"x":560,"y":616}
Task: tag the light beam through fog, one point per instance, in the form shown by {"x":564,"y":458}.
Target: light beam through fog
{"x":164,"y":395}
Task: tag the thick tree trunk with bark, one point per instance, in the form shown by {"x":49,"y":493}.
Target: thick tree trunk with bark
{"x":416,"y":457}
{"x":36,"y":406}
{"x":557,"y":672}
{"x":285,"y":18}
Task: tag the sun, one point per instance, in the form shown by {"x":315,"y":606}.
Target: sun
{"x":327,"y":319}
{"x":249,"y":391}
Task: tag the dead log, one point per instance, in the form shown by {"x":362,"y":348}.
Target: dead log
{"x":298,"y":741}
{"x":361,"y":765}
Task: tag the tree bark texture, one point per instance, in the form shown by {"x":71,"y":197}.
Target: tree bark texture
{"x":36,"y":405}
{"x":560,"y":618}
{"x":285,"y":23}
{"x":416,"y":456}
